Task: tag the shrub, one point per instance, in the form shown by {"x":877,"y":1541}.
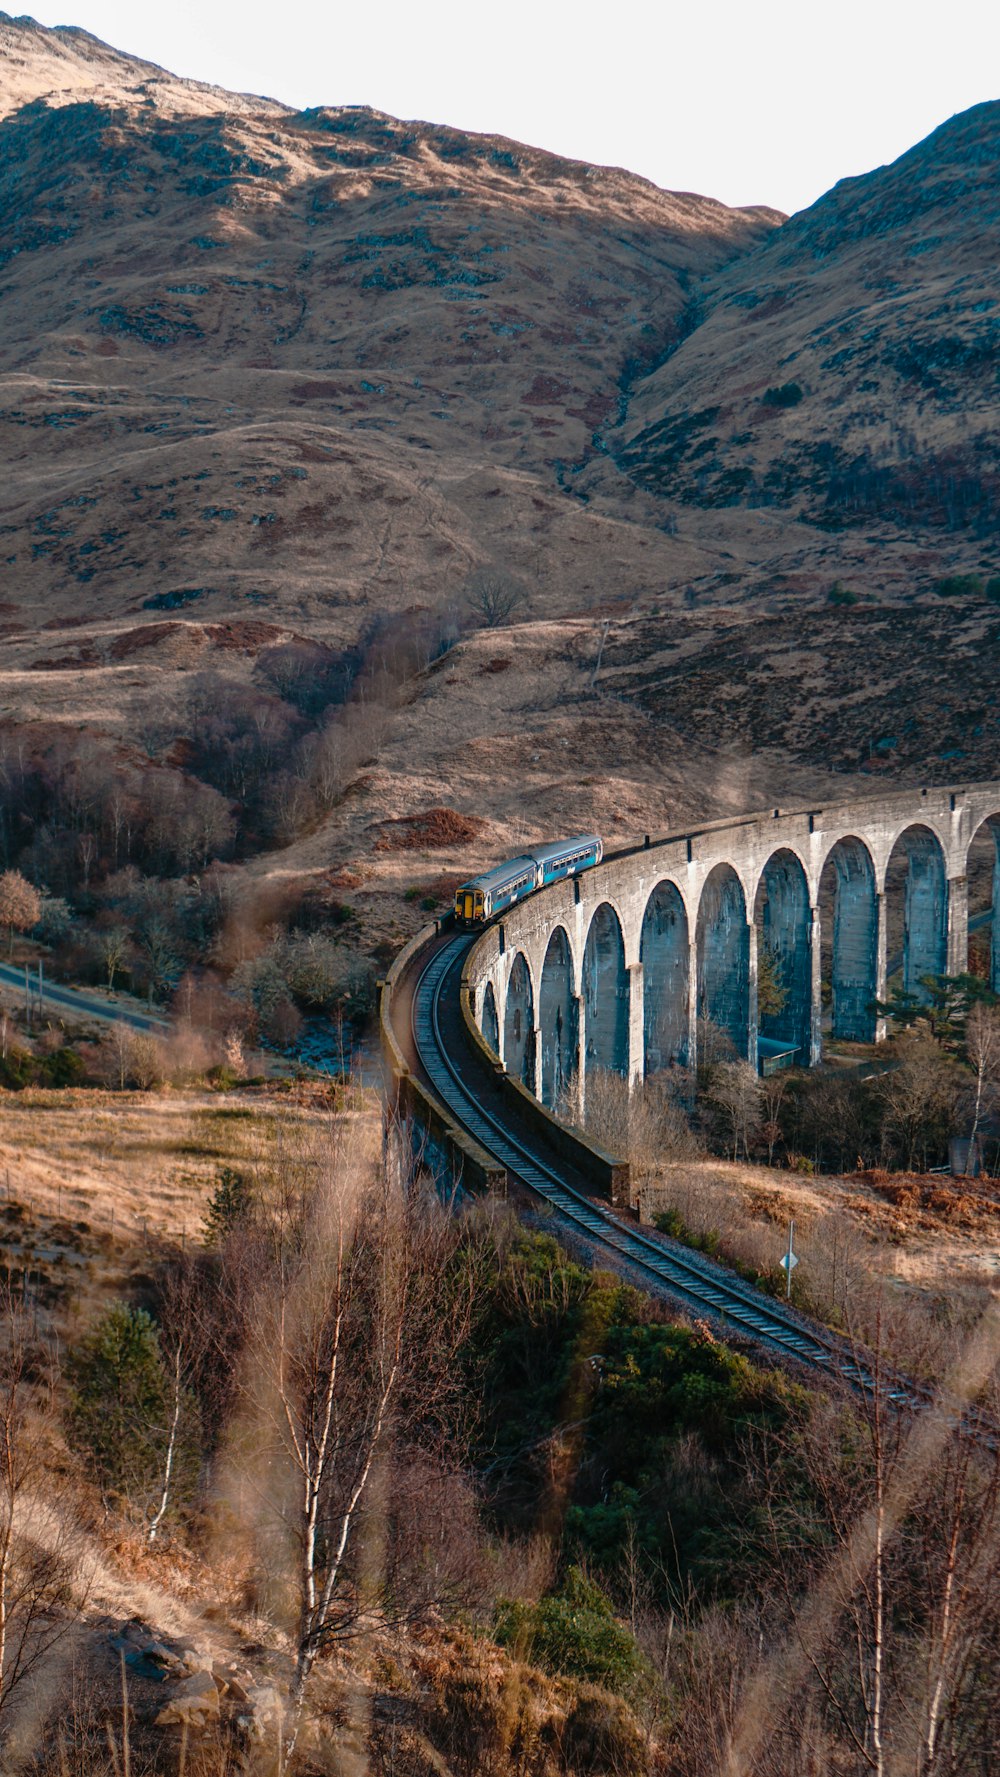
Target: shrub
{"x":480,"y":1715}
{"x":573,"y":1632}
{"x":993,"y":588}
{"x":601,"y":1737}
{"x":17,"y":1069}
{"x":788,"y":395}
{"x":55,"y":919}
{"x":672,"y":1223}
{"x":841,"y":595}
{"x":952,"y":586}
{"x":64,"y":1067}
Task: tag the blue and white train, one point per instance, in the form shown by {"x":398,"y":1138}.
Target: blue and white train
{"x":479,"y":899}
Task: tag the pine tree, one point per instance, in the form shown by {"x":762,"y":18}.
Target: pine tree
{"x":120,"y":1408}
{"x":229,"y":1204}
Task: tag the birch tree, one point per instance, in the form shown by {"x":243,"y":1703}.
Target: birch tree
{"x":982,"y":1052}
{"x":184,"y":1339}
{"x":350,"y":1366}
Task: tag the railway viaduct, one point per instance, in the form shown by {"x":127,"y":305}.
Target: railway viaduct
{"x":617,"y":968}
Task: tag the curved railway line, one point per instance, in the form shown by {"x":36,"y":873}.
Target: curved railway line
{"x":666,"y":1268}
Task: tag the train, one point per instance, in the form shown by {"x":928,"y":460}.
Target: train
{"x":477,"y":900}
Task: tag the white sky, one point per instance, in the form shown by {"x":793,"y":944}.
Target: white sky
{"x":751,"y":101}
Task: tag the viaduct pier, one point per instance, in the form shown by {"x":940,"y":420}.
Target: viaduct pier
{"x":616,"y":968}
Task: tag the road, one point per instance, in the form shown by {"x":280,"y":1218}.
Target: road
{"x":70,"y":999}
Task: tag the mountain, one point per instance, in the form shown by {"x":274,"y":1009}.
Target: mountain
{"x":66,"y":64}
{"x":295,"y":355}
{"x":275,"y":378}
{"x":847,"y":369}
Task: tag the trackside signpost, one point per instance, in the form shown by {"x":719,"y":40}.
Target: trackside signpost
{"x":788,"y":1261}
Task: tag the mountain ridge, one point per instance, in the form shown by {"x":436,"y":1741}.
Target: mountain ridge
{"x":268,"y":374}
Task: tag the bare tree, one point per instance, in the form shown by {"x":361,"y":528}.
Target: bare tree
{"x":982,"y":1049}
{"x":494,"y":596}
{"x":130,"y":1057}
{"x":772,"y":1095}
{"x":735,"y":1090}
{"x":644,"y":1123}
{"x":714,"y":1045}
{"x":921,"y":1097}
{"x":891,"y":1618}
{"x":954,"y":1559}
{"x":114,"y":1051}
{"x":351,"y":1337}
{"x":20,"y":905}
{"x":115,"y":947}
{"x":184,"y":1336}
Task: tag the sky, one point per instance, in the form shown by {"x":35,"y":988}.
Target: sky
{"x":750,"y":101}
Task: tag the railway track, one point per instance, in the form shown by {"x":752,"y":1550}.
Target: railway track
{"x":693,"y":1281}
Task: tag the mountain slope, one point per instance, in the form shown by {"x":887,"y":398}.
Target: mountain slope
{"x":66,"y":63}
{"x":262,"y":353}
{"x":847,"y":368}
{"x":270,"y":376}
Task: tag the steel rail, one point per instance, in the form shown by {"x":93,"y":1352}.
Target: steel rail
{"x":696,"y":1282}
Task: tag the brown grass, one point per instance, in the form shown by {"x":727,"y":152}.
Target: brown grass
{"x":433,"y":828}
{"x":89,"y":1178}
{"x":859,"y":1244}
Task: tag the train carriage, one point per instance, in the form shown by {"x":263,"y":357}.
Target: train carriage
{"x":481,"y":897}
{"x":566,"y":856}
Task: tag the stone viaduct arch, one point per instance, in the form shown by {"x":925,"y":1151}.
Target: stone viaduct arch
{"x":723,"y":946}
{"x":850,"y":915}
{"x":664,"y":954}
{"x":917,"y":907}
{"x":557,"y":1020}
{"x":519,"y":1024}
{"x":983,"y":878}
{"x":783,"y":918}
{"x":489,"y":1023}
{"x":605,"y":994}
{"x":612,"y":968}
